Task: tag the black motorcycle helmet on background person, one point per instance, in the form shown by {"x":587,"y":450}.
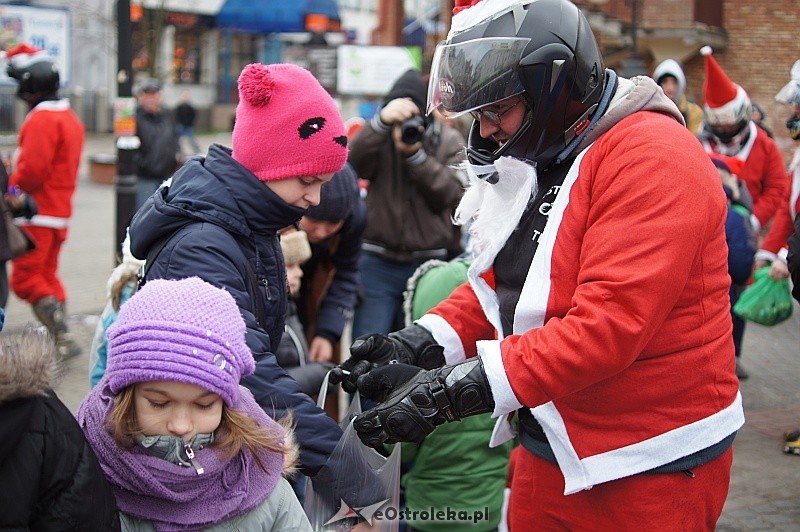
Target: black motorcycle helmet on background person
{"x":545,"y":52}
{"x":727,"y":108}
{"x":36,"y":74}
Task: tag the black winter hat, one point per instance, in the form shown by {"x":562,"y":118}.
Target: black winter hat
{"x":410,"y":85}
{"x":337,"y":197}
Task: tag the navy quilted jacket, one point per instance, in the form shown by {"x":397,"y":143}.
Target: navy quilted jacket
{"x":216,"y":215}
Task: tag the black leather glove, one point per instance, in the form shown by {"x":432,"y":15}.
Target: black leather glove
{"x":413,"y":345}
{"x":420,"y":401}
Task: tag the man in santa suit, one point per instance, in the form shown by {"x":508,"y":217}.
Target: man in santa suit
{"x":597,"y":307}
{"x":729,"y":130}
{"x":774,"y":247}
{"x":46,"y":168}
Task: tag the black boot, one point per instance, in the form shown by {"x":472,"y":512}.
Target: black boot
{"x":741,"y":373}
{"x":51,"y":313}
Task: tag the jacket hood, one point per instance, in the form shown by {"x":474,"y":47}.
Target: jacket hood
{"x":412,"y":85}
{"x":214,"y":189}
{"x":27,"y":366}
{"x":639,"y":93}
{"x":670,"y":67}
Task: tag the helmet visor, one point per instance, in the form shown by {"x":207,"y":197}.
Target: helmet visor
{"x":469,"y":75}
{"x":790,"y":93}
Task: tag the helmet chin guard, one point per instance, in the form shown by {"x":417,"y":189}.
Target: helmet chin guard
{"x":483,"y":151}
{"x":545,"y":52}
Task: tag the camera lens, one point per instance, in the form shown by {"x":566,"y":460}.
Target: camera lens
{"x":409,"y":130}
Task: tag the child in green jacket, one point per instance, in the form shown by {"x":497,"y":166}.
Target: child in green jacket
{"x":443,"y":494}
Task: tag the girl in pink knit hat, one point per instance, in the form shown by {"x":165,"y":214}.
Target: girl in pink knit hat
{"x":219,"y":219}
{"x":184,"y":446}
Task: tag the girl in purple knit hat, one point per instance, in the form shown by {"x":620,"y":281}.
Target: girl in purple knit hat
{"x":184,"y":446}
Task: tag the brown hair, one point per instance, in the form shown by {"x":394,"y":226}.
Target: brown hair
{"x":237,"y":431}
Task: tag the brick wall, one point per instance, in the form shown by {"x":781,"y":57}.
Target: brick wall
{"x":762,"y":46}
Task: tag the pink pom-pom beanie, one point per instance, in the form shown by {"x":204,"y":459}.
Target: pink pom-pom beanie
{"x":186,"y":331}
{"x":286,"y":125}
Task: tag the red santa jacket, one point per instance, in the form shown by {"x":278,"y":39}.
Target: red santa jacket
{"x":763,"y":172}
{"x":621,"y":343}
{"x":783,"y":224}
{"x":47,"y":160}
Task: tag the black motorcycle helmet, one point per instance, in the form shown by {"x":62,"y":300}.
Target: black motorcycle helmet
{"x":545,"y":52}
{"x":37,"y":77}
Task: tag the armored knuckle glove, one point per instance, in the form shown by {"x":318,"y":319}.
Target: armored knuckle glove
{"x":425,"y":401}
{"x":413,"y":345}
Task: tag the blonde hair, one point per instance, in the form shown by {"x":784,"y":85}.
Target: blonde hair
{"x":237,"y":432}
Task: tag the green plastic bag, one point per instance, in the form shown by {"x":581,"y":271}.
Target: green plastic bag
{"x":767,"y":301}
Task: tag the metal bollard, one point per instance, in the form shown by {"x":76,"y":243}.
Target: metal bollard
{"x":125,"y":188}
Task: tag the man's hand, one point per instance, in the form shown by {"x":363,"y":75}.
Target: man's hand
{"x":418,"y":401}
{"x":367,"y":353}
{"x":778,"y":270}
{"x":413,"y":345}
{"x":395,"y":113}
{"x":406,"y":150}
{"x":760,"y":263}
{"x":398,"y":111}
{"x":320,"y":350}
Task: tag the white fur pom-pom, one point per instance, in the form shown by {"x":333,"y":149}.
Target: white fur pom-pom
{"x":706,"y":50}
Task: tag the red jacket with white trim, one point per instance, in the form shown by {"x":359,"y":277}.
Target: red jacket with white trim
{"x":763,"y":172}
{"x":622,"y":343}
{"x":47,"y":160}
{"x":783,"y":224}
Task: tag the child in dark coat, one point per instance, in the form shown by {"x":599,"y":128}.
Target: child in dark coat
{"x":741,"y":238}
{"x":50,"y":476}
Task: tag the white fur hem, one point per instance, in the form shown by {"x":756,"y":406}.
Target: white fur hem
{"x":445,"y":336}
{"x":505,"y":400}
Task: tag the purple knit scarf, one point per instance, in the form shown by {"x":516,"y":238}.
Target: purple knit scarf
{"x":174,"y":497}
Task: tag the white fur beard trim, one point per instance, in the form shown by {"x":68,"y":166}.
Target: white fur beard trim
{"x":495,"y":208}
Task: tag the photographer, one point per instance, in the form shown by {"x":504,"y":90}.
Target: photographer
{"x":409,"y":160}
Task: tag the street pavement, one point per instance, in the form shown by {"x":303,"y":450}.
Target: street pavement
{"x":762,"y":494}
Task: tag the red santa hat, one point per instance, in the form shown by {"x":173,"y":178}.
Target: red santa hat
{"x":22,"y":48}
{"x":23,"y":55}
{"x":725,"y":101}
{"x":461,"y":5}
{"x":468,"y":13}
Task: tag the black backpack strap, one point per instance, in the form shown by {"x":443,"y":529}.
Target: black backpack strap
{"x":252,"y":278}
{"x":152,"y":255}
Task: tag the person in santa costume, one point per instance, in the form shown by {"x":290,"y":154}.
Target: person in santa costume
{"x":790,"y":95}
{"x":597,"y":308}
{"x":729,"y":130}
{"x":774,"y":247}
{"x":46,"y":167}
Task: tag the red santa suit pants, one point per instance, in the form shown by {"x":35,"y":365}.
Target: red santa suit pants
{"x":652,"y":502}
{"x":34,"y":275}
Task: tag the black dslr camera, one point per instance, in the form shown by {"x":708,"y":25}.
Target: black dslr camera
{"x":410,"y":130}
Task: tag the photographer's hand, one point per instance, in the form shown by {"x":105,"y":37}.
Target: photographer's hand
{"x":398,"y":111}
{"x":395,"y":113}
